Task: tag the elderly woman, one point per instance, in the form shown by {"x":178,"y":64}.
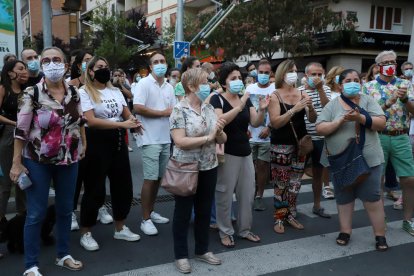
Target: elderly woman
{"x":236,"y":175}
{"x":51,"y":138}
{"x":337,"y":123}
{"x":195,"y":130}
{"x":287,"y":110}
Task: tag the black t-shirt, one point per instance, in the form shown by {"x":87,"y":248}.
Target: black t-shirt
{"x":237,"y":138}
{"x":33,"y":80}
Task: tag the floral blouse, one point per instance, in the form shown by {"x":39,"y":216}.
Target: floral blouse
{"x":51,"y":129}
{"x":195,"y":125}
{"x":398,"y":117}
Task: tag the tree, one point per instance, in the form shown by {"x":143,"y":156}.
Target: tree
{"x":140,"y":29}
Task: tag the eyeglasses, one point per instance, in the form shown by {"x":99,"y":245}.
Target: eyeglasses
{"x":47,"y":61}
{"x":388,"y":62}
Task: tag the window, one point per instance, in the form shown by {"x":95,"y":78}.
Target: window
{"x":158,"y":25}
{"x":173,"y":17}
{"x":384,"y":18}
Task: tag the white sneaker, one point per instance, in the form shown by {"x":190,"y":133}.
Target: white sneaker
{"x":88,"y":242}
{"x":148,"y":227}
{"x":126,"y":235}
{"x":103,"y":216}
{"x":157,"y":218}
{"x":74,"y":226}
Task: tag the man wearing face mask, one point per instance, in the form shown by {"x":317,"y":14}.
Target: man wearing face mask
{"x":31,"y":58}
{"x":260,"y":136}
{"x":154,"y":101}
{"x":396,"y":96}
{"x":173,"y":76}
{"x":212,"y":79}
{"x":251,"y":70}
{"x":407,"y":71}
{"x":320,"y":95}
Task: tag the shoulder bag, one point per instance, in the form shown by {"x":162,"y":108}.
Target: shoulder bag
{"x":304,"y":145}
{"x":180,"y":178}
{"x":349,"y":167}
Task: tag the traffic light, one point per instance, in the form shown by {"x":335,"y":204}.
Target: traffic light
{"x":71,"y":5}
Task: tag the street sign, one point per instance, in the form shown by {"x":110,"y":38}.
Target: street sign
{"x":181,"y":49}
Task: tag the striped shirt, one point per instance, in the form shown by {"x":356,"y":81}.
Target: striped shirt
{"x":316,"y":101}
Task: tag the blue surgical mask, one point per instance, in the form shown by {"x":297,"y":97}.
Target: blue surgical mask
{"x":203,"y":92}
{"x":160,"y":69}
{"x":137,"y":78}
{"x":351,"y":89}
{"x":253,"y":73}
{"x":84,"y":66}
{"x":311,"y":82}
{"x":408,"y":73}
{"x":337,"y":79}
{"x":236,"y":86}
{"x":33,"y":65}
{"x":263,"y":79}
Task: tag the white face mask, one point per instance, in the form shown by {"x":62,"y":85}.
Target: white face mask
{"x":291,"y":78}
{"x":211,"y":76}
{"x":54,"y":72}
{"x":173,"y":82}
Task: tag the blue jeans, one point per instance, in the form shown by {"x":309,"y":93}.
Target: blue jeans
{"x":64,"y":179}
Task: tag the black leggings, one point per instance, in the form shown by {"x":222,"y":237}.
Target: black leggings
{"x":106,"y":156}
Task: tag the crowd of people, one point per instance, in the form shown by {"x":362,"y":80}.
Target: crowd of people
{"x":245,"y":127}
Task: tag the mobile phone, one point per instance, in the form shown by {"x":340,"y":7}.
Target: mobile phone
{"x":24,"y":181}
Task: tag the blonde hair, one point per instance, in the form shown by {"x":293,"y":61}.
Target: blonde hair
{"x":193,"y":77}
{"x":330,"y":77}
{"x":89,"y":86}
{"x":281,"y":71}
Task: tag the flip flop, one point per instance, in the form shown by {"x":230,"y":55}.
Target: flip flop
{"x":69,"y":263}
{"x":231,"y":244}
{"x":252,"y":237}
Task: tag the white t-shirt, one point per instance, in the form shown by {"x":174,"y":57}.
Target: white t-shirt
{"x":150,"y":94}
{"x":110,"y":108}
{"x":255,"y":92}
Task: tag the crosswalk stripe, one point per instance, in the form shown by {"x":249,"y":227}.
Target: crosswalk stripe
{"x":285,"y":255}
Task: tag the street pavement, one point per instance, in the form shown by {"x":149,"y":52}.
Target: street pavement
{"x":311,"y":251}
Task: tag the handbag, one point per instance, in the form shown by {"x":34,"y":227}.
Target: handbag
{"x":180,"y":178}
{"x":349,"y":167}
{"x":305,"y":144}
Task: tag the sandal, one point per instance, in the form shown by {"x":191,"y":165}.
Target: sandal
{"x":343,"y":239}
{"x":321,"y":212}
{"x":381,"y":244}
{"x":69,"y":263}
{"x":278,"y":227}
{"x":252,"y":237}
{"x":229,"y":238}
{"x":295,"y":224}
{"x":34,"y":271}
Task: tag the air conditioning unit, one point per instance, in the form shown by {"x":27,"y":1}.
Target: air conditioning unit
{"x":72,"y":5}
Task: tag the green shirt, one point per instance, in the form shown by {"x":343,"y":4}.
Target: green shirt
{"x":339,"y":140}
{"x":179,"y":90}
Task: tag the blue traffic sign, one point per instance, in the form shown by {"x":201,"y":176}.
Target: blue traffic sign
{"x":181,"y":49}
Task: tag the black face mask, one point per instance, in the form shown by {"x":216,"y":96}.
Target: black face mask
{"x":102,"y":75}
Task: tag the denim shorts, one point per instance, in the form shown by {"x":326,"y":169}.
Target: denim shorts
{"x":155,"y":159}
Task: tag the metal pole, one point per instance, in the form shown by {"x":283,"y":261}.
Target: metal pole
{"x":210,"y":23}
{"x":411,"y":51}
{"x":47,"y":23}
{"x":179,"y":32}
{"x":218,"y":22}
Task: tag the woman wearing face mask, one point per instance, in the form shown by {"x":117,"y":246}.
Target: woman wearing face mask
{"x":13,"y":76}
{"x":287,"y":167}
{"x":337,"y":123}
{"x":188,"y":63}
{"x":50,"y":137}
{"x":77,"y":76}
{"x":236,"y":175}
{"x":195,"y":130}
{"x":332,"y":81}
{"x":107,"y":118}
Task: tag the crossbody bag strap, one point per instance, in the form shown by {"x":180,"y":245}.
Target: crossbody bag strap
{"x":290,"y":119}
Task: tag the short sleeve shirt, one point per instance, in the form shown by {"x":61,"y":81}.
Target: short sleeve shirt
{"x":237,"y":138}
{"x":149,"y":93}
{"x":111,"y":105}
{"x":339,"y":140}
{"x":50,"y":128}
{"x":398,"y":117}
{"x":195,"y":125}
{"x":316,"y":101}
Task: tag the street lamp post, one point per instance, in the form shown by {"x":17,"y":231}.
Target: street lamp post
{"x":179,"y":32}
{"x":47,"y":23}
